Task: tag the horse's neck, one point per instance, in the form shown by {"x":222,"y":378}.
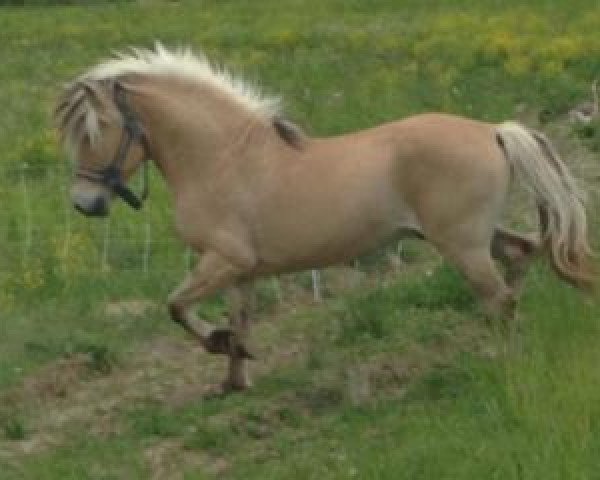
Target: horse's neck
{"x":192,"y":139}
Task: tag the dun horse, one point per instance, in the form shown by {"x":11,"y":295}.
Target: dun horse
{"x":254,"y":196}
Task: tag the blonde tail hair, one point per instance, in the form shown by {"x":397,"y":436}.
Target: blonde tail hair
{"x":560,"y":200}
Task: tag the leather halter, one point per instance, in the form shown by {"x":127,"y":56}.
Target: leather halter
{"x":111,"y":176}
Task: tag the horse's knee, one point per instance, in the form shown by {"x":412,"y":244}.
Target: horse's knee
{"x":514,"y":247}
{"x":515,"y":251}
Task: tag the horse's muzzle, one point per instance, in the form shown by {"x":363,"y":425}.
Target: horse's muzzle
{"x":97,"y":208}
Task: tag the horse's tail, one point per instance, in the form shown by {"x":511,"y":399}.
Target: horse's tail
{"x":560,"y":201}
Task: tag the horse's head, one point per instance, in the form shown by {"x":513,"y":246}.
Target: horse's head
{"x":106,"y":141}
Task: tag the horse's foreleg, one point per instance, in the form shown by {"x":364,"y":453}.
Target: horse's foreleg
{"x":238,"y":299}
{"x":212,"y":273}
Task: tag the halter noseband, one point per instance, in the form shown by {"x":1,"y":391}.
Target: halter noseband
{"x":111,"y":176}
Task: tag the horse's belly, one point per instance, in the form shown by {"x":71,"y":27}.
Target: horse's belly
{"x":317,"y":240}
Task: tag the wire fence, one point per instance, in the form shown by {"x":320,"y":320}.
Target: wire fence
{"x":43,"y":233}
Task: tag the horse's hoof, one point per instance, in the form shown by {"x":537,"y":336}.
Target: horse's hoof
{"x":225,"y":341}
{"x":230,"y":386}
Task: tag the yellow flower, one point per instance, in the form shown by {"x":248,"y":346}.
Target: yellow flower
{"x":33,"y":274}
{"x":286,"y":38}
{"x":551,"y":67}
{"x":73,"y":251}
{"x":518,"y":65}
{"x":501,"y":44}
{"x":566,"y":47}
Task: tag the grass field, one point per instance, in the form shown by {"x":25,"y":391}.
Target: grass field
{"x":395,"y":375}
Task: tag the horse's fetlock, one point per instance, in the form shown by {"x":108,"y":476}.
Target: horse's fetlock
{"x":176,"y":311}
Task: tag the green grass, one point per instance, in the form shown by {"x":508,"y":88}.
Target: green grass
{"x":402,"y":380}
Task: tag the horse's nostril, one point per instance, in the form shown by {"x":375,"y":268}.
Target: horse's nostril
{"x":99,"y":207}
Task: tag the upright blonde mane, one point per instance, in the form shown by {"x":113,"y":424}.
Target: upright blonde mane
{"x":77,"y":114}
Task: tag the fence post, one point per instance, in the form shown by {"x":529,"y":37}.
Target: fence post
{"x":105,"y":245}
{"x":67,"y":239}
{"x":146,"y":254}
{"x":316,"y":284}
{"x":187,"y":258}
{"x":26,"y":214}
{"x":277,"y":287}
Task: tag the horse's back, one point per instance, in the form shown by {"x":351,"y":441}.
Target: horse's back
{"x":432,"y":145}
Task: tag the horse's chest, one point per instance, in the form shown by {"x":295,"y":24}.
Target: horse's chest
{"x":192,"y":225}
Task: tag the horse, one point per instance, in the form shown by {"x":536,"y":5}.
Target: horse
{"x":254,"y":195}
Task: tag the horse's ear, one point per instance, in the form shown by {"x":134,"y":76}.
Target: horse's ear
{"x":117,"y":86}
{"x":291,"y":133}
{"x":91,"y":88}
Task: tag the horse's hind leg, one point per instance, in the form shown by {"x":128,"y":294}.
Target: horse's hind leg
{"x":478,"y":267}
{"x":515,"y":251}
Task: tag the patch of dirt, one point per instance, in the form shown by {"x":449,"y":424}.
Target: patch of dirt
{"x":168,"y":460}
{"x":64,"y":396}
{"x":135,"y":308}
{"x":56,"y":379}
